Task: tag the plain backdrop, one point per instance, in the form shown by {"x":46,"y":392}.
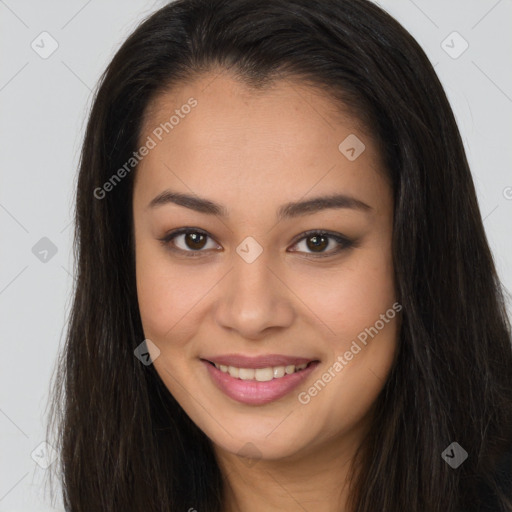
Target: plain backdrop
{"x":44,"y":101}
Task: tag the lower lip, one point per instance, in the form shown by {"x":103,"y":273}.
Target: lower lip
{"x":252,"y":392}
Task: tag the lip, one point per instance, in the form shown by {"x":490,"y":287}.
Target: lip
{"x":264,"y":361}
{"x":251,"y":392}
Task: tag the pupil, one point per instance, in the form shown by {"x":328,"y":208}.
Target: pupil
{"x":316,"y":244}
{"x":196,"y":241}
{"x":193,"y":238}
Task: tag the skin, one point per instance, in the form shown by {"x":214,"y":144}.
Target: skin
{"x":253,"y":151}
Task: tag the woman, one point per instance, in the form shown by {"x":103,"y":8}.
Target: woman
{"x":285,"y":298}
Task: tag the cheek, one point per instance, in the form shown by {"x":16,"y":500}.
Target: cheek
{"x":166,"y":294}
{"x":358,"y":304}
{"x":352,"y":297}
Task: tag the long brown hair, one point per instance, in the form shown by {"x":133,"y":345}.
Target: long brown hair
{"x":125,"y":443}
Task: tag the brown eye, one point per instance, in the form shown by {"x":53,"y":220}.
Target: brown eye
{"x":194,"y":240}
{"x":188,"y":241}
{"x":316,"y":243}
{"x":191,"y":242}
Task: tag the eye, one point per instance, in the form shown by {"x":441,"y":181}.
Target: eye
{"x":193,"y":240}
{"x":318,"y":241}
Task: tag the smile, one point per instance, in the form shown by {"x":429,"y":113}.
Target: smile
{"x":258,"y":381}
{"x":260,"y":374}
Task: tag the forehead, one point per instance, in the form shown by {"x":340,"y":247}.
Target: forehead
{"x":236,"y":142}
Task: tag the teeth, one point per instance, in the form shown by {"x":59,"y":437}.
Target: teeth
{"x":233,"y":371}
{"x":260,"y":374}
{"x":245,"y":373}
{"x":279,"y":372}
{"x":290,"y":369}
{"x":264,"y":374}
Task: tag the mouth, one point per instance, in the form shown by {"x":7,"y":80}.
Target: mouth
{"x":258,"y":381}
{"x":261,"y":374}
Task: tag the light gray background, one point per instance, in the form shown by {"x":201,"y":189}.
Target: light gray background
{"x":44,"y":104}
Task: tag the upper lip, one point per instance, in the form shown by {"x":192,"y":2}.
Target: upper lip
{"x":263,"y":361}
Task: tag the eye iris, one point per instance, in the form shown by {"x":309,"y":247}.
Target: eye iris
{"x":191,"y":239}
{"x":316,"y":243}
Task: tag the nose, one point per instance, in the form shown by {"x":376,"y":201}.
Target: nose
{"x":254,"y":299}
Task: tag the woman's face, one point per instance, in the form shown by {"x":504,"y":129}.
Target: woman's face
{"x":247,"y":289}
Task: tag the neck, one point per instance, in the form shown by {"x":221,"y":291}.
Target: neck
{"x":317,"y":479}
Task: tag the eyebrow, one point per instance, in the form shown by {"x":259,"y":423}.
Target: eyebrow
{"x":286,"y":211}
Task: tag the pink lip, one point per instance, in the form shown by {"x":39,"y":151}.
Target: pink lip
{"x":252,"y":392}
{"x":241,"y":361}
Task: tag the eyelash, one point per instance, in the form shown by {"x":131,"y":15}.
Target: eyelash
{"x":344,"y":242}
